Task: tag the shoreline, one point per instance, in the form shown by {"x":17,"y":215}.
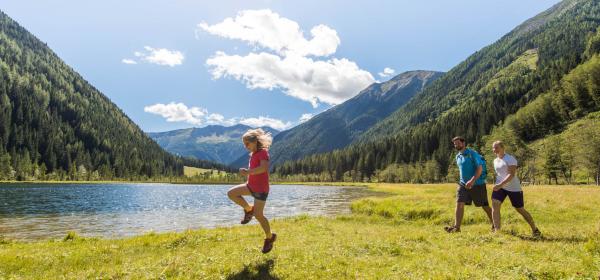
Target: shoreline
{"x":387,"y":189}
{"x":397,"y":236}
{"x":336,"y":184}
{"x":373,"y":187}
{"x":344,"y":184}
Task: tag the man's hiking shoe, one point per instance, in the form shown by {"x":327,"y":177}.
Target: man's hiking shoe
{"x":451,"y":229}
{"x":537,"y":233}
{"x":269,"y":243}
{"x":247,"y":216}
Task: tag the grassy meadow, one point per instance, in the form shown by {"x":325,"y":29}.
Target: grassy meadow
{"x":399,"y":236}
{"x":189,"y":171}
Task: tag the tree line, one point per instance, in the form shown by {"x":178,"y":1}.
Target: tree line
{"x":473,"y":99}
{"x":54,"y":125}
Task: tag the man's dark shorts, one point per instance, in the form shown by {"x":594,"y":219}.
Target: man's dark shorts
{"x":258,"y":195}
{"x":516,"y":198}
{"x":477,"y":194}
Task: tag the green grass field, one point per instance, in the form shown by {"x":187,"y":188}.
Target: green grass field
{"x":394,"y":237}
{"x":194,"y":171}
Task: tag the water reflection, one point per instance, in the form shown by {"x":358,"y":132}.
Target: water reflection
{"x":115,"y":210}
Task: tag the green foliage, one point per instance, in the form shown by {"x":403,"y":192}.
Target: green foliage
{"x":559,"y":42}
{"x":554,"y":164}
{"x":577,"y":95}
{"x":344,"y":123}
{"x":574,"y":99}
{"x":54,"y":125}
{"x":570,"y":156}
{"x":421,"y":172}
{"x":200,"y":175}
{"x":593,"y":46}
{"x":534,"y":81}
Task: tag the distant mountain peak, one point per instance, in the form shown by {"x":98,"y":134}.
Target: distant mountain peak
{"x":213,"y":142}
{"x":343,"y":123}
{"x":405,"y":78}
{"x":538,"y":21}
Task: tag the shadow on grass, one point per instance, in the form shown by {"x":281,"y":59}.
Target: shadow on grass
{"x":260,"y":271}
{"x":567,"y":239}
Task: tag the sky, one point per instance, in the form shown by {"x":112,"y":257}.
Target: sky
{"x":173,"y":64}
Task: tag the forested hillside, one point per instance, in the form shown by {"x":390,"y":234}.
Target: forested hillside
{"x":557,"y":137}
{"x":528,"y":64}
{"x":54,"y":125}
{"x":346,"y":122}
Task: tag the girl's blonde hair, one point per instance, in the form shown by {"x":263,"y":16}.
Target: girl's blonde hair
{"x":263,"y":139}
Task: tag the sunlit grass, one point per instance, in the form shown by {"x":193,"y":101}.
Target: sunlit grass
{"x":195,"y":171}
{"x":394,"y":237}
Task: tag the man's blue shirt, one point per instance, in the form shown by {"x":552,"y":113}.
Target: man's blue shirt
{"x":467,"y":163}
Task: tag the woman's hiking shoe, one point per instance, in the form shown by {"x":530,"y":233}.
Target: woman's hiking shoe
{"x":247,"y":216}
{"x":269,"y":243}
{"x":537,"y":233}
{"x":451,"y":229}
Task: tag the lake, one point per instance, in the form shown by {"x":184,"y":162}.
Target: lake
{"x":48,"y":211}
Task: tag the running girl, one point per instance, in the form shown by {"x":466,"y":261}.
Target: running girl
{"x":256,"y":142}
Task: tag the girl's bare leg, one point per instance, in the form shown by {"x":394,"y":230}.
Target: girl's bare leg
{"x":259,"y":206}
{"x":235,"y":194}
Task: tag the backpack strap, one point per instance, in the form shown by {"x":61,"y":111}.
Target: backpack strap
{"x":483,"y":166}
{"x":473,"y":159}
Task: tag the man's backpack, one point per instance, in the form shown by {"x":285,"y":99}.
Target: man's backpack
{"x":483,"y":166}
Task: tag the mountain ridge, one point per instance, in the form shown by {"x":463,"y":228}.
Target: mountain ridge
{"x":469,"y":100}
{"x":343,"y":123}
{"x":217,"y":143}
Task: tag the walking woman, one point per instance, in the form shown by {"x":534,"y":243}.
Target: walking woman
{"x":507,"y":184}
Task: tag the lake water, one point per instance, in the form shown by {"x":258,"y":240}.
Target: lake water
{"x":48,"y":211}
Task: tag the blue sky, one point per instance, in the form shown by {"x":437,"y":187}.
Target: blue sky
{"x":272,"y":62}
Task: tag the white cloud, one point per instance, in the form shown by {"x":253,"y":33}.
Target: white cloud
{"x":294,"y":67}
{"x":386,"y":72}
{"x":179,"y":112}
{"x":305,"y":117}
{"x":128,"y":61}
{"x":215,"y":118}
{"x":267,"y":29}
{"x":266,"y":121}
{"x":330,"y":81}
{"x":158,"y":56}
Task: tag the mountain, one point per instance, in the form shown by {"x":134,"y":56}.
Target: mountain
{"x":551,"y":34}
{"x":475,"y":96}
{"x":55,"y":125}
{"x":342,"y":124}
{"x":214,"y":142}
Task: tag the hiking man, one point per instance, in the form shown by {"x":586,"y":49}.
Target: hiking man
{"x":471,"y":187}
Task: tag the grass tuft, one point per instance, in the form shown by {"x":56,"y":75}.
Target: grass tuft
{"x":71,"y":236}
